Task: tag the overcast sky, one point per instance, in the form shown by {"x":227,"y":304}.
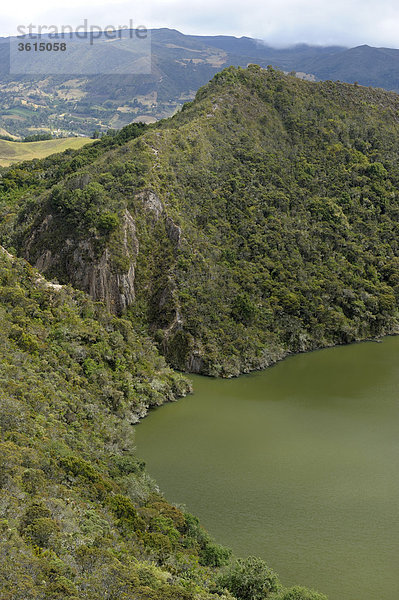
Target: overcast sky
{"x":278,"y":22}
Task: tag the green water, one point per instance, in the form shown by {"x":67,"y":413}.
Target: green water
{"x":297,"y":464}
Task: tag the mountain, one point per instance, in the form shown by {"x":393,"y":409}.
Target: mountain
{"x":376,"y":67}
{"x":82,"y":102}
{"x":79,"y":516}
{"x":259,"y":221}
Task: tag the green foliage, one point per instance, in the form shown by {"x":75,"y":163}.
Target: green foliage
{"x":108,"y":221}
{"x":61,"y":588}
{"x":123,"y":509}
{"x":34,"y":512}
{"x":84,"y":207}
{"x":250,"y":579}
{"x":33,"y":481}
{"x":214,"y":555}
{"x":79,"y":468}
{"x":299,"y":593}
{"x":243,"y":309}
{"x":41,"y":532}
{"x":78,"y":514}
{"x":38,"y":137}
{"x":210,"y":554}
{"x":265,"y":215}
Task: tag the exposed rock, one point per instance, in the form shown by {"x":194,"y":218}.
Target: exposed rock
{"x":35,"y":235}
{"x":78,"y":182}
{"x":44,"y":261}
{"x":195,"y":363}
{"x":10,"y":256}
{"x":48,"y":284}
{"x":173,"y":231}
{"x":100,"y":277}
{"x":151,"y":202}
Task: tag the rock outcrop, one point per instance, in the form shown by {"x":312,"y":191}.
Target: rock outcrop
{"x":79,"y":263}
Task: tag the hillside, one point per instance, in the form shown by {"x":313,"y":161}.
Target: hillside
{"x":14,"y":152}
{"x":261,"y":220}
{"x":93,"y":96}
{"x":79,"y":516}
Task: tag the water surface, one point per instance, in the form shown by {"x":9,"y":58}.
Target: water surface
{"x":297,"y":464}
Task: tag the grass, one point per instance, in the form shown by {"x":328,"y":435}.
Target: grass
{"x":14,"y":152}
{"x":7,"y":133}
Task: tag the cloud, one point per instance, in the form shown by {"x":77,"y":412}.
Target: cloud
{"x":278,"y":22}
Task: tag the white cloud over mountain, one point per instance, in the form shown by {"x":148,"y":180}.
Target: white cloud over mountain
{"x":278,"y":22}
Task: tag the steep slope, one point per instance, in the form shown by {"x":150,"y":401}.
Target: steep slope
{"x":79,"y":517}
{"x":261,"y":220}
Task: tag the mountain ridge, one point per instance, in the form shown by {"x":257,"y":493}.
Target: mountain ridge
{"x":261,"y":196}
{"x":181,"y":64}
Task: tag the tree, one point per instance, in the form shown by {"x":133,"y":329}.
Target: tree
{"x":250,"y":579}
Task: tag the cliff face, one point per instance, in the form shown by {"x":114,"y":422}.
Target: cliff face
{"x":259,"y":221}
{"x":78,"y":262}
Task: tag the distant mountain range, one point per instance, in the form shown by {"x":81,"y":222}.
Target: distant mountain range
{"x":80,"y":104}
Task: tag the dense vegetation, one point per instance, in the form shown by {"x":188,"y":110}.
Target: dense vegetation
{"x":262,"y":220}
{"x":266,"y":218}
{"x":79,"y":517}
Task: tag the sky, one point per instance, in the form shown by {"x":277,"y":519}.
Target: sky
{"x":278,"y":22}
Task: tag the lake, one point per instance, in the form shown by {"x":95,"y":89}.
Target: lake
{"x":297,"y":464}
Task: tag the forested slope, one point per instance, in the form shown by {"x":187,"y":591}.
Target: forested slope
{"x":259,"y":221}
{"x":79,"y":517}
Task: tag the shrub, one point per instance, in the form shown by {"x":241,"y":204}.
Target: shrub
{"x":79,"y":467}
{"x":250,"y":579}
{"x":300,"y":593}
{"x":42,"y":532}
{"x":124,"y":510}
{"x":33,"y":512}
{"x":33,"y":480}
{"x":164,"y":525}
{"x":214,"y":555}
{"x":108,"y":221}
{"x":61,"y":588}
{"x":243,"y":309}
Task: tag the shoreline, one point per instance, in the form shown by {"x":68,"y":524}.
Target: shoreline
{"x":144,"y":410}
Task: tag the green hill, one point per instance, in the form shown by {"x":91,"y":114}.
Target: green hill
{"x":101,"y":94}
{"x":260,"y":221}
